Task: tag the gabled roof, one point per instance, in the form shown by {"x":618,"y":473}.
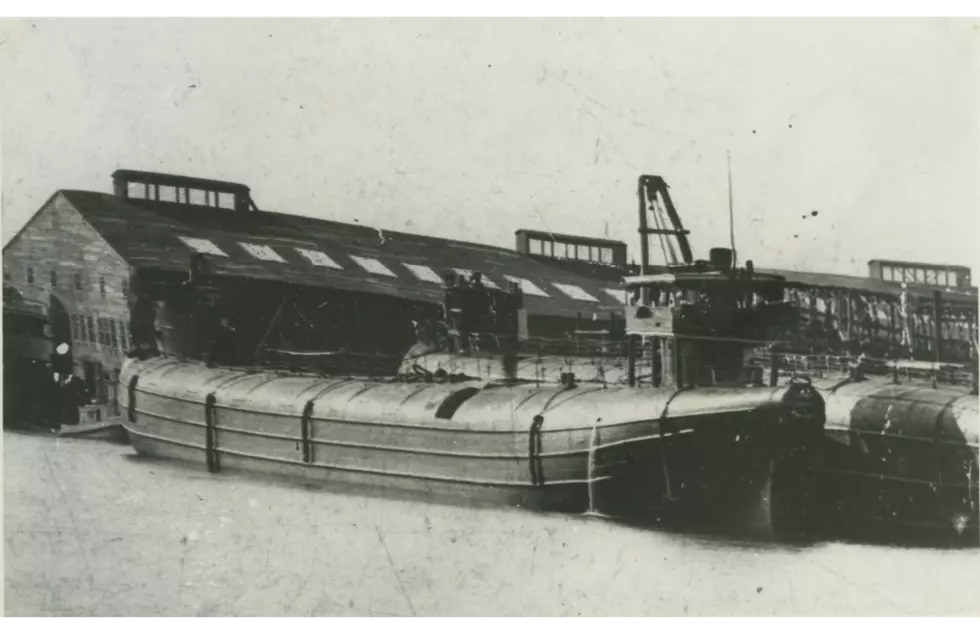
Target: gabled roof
{"x":324,"y":253}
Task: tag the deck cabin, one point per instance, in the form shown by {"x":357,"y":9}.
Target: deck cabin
{"x":699,"y":325}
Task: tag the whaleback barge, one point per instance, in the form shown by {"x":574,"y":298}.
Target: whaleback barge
{"x":694,"y":403}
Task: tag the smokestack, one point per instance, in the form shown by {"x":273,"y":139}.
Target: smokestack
{"x":721,"y":258}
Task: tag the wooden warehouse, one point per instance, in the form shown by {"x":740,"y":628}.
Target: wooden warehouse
{"x":77,"y":253}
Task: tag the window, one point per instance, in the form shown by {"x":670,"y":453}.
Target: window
{"x":887,"y":273}
{"x":198,"y":197}
{"x":102,"y":285}
{"x":941,"y":277}
{"x":424,"y":273}
{"x":372,"y":266}
{"x":123,"y":339}
{"x":607,"y":255}
{"x":318,"y":259}
{"x":136,"y":190}
{"x":91,"y":329}
{"x":920,"y":275}
{"x":203,"y":246}
{"x":261,"y":251}
{"x":30,"y":275}
{"x":167,"y":194}
{"x":113,"y":339}
{"x":953,"y":279}
{"x":103,"y":332}
{"x":224,"y":201}
{"x":76,"y":330}
{"x":619,"y":295}
{"x":78,"y":281}
{"x":931,"y":277}
{"x":486,"y":280}
{"x":527,"y":287}
{"x":54,"y":278}
{"x":535,"y":247}
{"x":575,"y":292}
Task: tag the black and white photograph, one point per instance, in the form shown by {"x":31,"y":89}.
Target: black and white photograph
{"x":490,"y":316}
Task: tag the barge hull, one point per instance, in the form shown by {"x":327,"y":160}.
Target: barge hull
{"x":616,"y":451}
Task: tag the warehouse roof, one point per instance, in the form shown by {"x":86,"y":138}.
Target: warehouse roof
{"x":310,"y":251}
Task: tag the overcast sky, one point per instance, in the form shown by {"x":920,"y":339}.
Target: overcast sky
{"x":474,"y":128}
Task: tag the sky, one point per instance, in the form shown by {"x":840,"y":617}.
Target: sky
{"x":473,"y":128}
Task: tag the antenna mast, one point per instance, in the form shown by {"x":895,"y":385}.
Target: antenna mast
{"x":731,"y":211}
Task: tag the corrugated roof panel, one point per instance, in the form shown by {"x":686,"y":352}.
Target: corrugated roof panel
{"x":263,"y":252}
{"x":424,"y":273}
{"x":527,"y":286}
{"x":202,"y":246}
{"x":575,"y":292}
{"x":318,"y":258}
{"x":372,"y":266}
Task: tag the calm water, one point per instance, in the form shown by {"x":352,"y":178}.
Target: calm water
{"x":91,"y":530}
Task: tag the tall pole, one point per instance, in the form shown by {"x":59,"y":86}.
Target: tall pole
{"x":731,"y":211}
